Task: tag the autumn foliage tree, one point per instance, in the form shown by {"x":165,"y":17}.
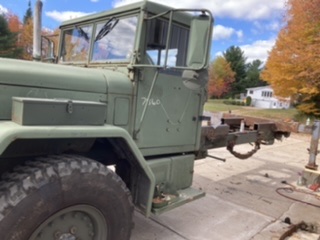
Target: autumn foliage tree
{"x":221,"y":77}
{"x":8,"y":41}
{"x":293,"y":67}
{"x":26,"y":39}
{"x":13,"y":23}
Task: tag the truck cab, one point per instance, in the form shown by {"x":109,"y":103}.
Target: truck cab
{"x":127,"y":93}
{"x":159,"y":51}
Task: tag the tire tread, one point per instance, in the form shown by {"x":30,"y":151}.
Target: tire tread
{"x":24,"y":180}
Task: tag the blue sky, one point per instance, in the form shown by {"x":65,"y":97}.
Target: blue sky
{"x":252,"y":25}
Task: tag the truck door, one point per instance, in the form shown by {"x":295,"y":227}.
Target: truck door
{"x":167,"y":109}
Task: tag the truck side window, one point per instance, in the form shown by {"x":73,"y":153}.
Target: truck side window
{"x":156,"y":43}
{"x":114,"y":40}
{"x":76,"y":44}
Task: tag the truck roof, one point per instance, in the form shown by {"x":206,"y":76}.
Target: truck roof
{"x":134,"y":7}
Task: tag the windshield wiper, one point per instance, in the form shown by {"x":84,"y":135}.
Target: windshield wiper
{"x":107,"y":27}
{"x":83,"y":34}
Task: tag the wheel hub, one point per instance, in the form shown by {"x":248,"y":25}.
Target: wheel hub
{"x":67,"y":236}
{"x":81,"y":222}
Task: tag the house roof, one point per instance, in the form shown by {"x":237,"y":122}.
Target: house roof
{"x":258,"y":88}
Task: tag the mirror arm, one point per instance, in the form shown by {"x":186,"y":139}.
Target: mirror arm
{"x":168,"y":39}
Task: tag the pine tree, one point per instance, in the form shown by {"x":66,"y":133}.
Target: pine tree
{"x":8,"y":41}
{"x":235,"y":56}
{"x":28,"y":15}
{"x":253,"y":72}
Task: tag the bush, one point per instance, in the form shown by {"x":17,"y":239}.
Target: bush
{"x":248,"y":101}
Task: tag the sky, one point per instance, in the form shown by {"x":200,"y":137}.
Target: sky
{"x":253,"y":25}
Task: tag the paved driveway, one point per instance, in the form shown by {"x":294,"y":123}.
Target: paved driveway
{"x":241,"y":201}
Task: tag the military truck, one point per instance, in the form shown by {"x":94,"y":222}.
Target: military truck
{"x":116,"y":123}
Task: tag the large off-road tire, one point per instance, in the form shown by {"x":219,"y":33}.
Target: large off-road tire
{"x":64,"y":198}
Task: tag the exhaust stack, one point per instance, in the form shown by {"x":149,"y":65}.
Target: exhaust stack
{"x":37,"y":31}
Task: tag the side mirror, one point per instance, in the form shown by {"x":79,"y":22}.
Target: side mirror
{"x":195,"y":80}
{"x":47,"y":50}
{"x":199,"y":41}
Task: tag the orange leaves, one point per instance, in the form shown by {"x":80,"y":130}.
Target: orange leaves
{"x":221,"y":77}
{"x":293,"y":67}
{"x":13,"y":23}
{"x":24,"y":33}
{"x":26,"y":40}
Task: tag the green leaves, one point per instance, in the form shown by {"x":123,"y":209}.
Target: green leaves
{"x":8,"y":41}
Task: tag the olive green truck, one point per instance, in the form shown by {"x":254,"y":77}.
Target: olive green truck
{"x":114,"y":124}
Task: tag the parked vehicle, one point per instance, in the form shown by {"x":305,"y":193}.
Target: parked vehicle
{"x":127,"y":92}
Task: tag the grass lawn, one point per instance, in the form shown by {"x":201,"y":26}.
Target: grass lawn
{"x":279,"y":114}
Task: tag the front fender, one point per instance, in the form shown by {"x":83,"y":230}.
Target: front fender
{"x":10,"y":131}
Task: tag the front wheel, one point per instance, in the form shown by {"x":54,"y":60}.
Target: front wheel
{"x":64,"y":198}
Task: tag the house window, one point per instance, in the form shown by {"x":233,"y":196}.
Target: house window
{"x":251,"y":92}
{"x":267,"y":94}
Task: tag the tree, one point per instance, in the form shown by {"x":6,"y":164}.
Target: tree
{"x":221,"y":77}
{"x":8,"y":41}
{"x":26,"y":40}
{"x":13,"y":23}
{"x":28,"y":14}
{"x":235,"y":56}
{"x":253,"y":78}
{"x":293,"y":67}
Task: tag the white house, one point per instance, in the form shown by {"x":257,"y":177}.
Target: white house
{"x":263,"y":97}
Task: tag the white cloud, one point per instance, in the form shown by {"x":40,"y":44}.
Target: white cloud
{"x":258,"y":50}
{"x":262,"y":26}
{"x":47,"y":30}
{"x":3,"y":10}
{"x":248,"y":9}
{"x":63,"y":16}
{"x":94,"y":1}
{"x":274,"y":26}
{"x":221,"y":32}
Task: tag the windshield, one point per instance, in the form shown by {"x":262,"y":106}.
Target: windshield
{"x":76,"y":44}
{"x":112,"y":41}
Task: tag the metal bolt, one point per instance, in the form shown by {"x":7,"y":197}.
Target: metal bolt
{"x":57,"y":234}
{"x":73,"y":230}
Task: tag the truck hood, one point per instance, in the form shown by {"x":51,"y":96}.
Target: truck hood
{"x":34,"y":79}
{"x":53,"y":76}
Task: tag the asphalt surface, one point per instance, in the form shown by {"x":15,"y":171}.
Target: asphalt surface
{"x":241,"y":199}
